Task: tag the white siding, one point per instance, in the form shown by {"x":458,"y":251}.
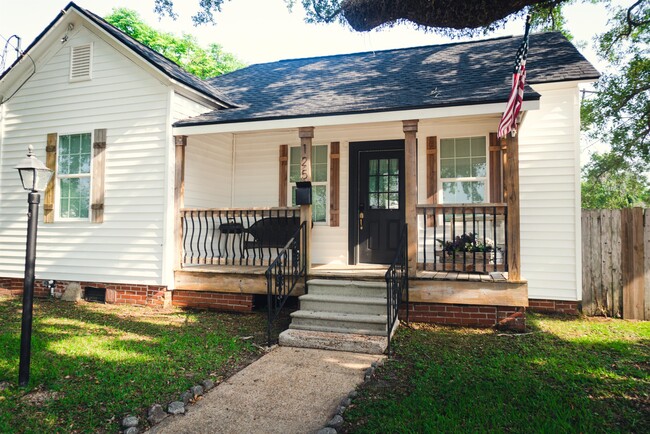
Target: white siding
{"x":549,"y":171}
{"x":208,"y":171}
{"x":183,"y":108}
{"x":134,"y":108}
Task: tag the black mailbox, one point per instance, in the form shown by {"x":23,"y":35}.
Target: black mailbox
{"x":303,"y":193}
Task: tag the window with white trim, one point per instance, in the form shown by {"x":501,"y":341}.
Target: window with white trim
{"x":319,"y":174}
{"x":463,"y":169}
{"x":73,"y":176}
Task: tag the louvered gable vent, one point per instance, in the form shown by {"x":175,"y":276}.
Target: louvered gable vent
{"x":81,"y":60}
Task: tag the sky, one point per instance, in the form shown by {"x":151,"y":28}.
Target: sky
{"x":264,"y":30}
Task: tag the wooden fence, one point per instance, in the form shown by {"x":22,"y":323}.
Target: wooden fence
{"x":616,"y":263}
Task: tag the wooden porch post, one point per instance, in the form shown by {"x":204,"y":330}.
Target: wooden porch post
{"x":511,"y":183}
{"x":306,"y":135}
{"x":180,"y":143}
{"x":410,"y":129}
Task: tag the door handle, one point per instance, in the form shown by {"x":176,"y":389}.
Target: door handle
{"x":361,"y":210}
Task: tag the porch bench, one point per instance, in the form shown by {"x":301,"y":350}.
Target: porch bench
{"x":271,"y":232}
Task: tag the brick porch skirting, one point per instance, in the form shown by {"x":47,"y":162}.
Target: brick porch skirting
{"x":554,"y":306}
{"x":507,"y":317}
{"x":213,"y":300}
{"x":117,"y":293}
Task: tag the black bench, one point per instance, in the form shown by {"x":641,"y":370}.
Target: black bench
{"x":271,"y":232}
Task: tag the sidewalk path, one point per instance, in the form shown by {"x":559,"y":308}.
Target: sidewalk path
{"x":289,"y":390}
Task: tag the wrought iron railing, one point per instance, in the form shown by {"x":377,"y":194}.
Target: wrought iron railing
{"x":236,"y":236}
{"x":397,"y":285}
{"x":284,"y":273}
{"x":463,"y":237}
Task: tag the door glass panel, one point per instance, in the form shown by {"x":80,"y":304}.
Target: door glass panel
{"x":383,"y":183}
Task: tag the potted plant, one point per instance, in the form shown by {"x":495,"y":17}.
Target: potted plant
{"x":466,"y":252}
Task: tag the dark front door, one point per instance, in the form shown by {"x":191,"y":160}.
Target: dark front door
{"x":380,"y":204}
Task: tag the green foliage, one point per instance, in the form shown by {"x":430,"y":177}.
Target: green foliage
{"x":92,"y":364}
{"x":569,"y":375}
{"x":183,"y":50}
{"x":619,"y":113}
{"x":610,"y":182}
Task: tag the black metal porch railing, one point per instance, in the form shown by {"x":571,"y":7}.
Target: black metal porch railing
{"x":463,"y":237}
{"x":397,"y":284}
{"x":283,"y":274}
{"x":236,"y":236}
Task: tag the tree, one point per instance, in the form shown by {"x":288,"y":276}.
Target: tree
{"x":183,"y":50}
{"x":452,"y":17}
{"x":604,"y":187}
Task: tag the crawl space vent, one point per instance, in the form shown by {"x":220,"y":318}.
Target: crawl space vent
{"x":81,"y":60}
{"x":97,"y":295}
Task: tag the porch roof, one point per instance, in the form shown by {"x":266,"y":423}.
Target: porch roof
{"x":456,"y":74}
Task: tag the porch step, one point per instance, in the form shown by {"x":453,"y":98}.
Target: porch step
{"x":347,"y":288}
{"x":339,"y":322}
{"x":356,"y":343}
{"x":343,"y":304}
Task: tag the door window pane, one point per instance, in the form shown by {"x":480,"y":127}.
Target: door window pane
{"x":383,"y":183}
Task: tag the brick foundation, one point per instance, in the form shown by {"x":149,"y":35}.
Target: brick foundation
{"x":512,"y":318}
{"x":117,"y":293}
{"x":554,"y":306}
{"x":213,"y":300}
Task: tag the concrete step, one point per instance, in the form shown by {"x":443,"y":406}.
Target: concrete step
{"x":343,"y":304}
{"x":338,"y":322}
{"x":356,"y":288}
{"x":356,"y":343}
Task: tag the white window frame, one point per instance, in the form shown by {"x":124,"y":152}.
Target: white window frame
{"x":326,"y":183}
{"x":59,"y":176}
{"x":464,"y":179}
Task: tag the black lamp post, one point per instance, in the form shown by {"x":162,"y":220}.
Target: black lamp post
{"x":34,"y":176}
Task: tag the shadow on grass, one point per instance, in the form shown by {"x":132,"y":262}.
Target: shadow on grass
{"x":567,"y":376}
{"x":102,"y":361}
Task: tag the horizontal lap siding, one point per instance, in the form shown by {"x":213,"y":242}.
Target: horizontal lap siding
{"x":550,"y":196}
{"x":208,"y":171}
{"x":133,"y":108}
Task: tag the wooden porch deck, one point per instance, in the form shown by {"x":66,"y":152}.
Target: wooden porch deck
{"x":426,"y":287}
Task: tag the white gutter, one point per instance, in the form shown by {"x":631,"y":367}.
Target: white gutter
{"x":360,"y":118}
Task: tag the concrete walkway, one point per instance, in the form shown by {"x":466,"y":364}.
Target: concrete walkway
{"x":288,"y":390}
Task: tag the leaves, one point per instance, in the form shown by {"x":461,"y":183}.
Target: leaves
{"x":183,"y":50}
{"x":611,"y":182}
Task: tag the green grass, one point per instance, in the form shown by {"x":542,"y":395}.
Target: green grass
{"x":569,"y":375}
{"x":92,"y":363}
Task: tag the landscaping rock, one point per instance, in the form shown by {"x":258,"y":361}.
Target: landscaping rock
{"x":176,"y":407}
{"x":340,"y":410}
{"x":72,"y":292}
{"x":326,"y":430}
{"x":353,"y":394}
{"x":156,"y":414}
{"x":345,"y":402}
{"x":132,"y":430}
{"x":196,"y":391}
{"x":186,"y":397}
{"x":207,"y":384}
{"x":130,"y":421}
{"x":336,"y":422}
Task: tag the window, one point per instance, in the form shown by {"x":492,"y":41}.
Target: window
{"x":383,"y":183}
{"x":73,"y":175}
{"x":318,"y":179}
{"x":463,"y":169}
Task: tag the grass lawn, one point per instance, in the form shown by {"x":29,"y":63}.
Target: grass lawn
{"x":94,"y":363}
{"x":569,"y":375}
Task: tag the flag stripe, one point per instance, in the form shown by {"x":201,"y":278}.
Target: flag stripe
{"x":516,"y":98}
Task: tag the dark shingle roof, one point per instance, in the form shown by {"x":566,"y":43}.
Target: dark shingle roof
{"x":423,"y":77}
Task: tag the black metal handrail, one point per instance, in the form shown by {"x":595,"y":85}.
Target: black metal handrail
{"x":463,"y":237}
{"x":397,"y":284}
{"x":283,"y":274}
{"x":235,"y":236}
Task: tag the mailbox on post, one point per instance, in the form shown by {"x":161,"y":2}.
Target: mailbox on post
{"x":303,"y":193}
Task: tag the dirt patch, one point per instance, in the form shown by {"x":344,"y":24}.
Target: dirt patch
{"x":39,"y":397}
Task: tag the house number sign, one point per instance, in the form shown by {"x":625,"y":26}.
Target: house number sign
{"x":304,"y":166}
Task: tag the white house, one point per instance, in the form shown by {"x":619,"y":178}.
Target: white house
{"x":172,"y":189}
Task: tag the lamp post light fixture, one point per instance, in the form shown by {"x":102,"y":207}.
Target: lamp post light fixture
{"x":34,"y":176}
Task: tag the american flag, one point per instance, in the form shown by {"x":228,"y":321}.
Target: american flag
{"x":515,"y":100}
